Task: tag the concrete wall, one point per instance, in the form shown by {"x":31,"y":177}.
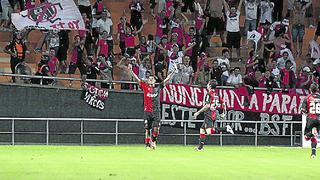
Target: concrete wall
{"x":31,"y":101}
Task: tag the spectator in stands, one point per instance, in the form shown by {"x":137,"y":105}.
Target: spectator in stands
{"x":202,"y":62}
{"x":216,"y":72}
{"x":274,"y":69}
{"x":199,"y":19}
{"x":235,"y":78}
{"x":225,"y":74}
{"x":136,"y":9}
{"x":105,"y":68}
{"x":216,"y":21}
{"x":129,"y":40}
{"x":17,"y":49}
{"x":161,"y":68}
{"x":53,"y":40}
{"x":161,"y":25}
{"x":224,"y":60}
{"x":187,"y":71}
{"x":252,"y":63}
{"x":102,"y":45}
{"x":142,"y":47}
{"x":7,"y":9}
{"x":123,"y":24}
{"x":43,"y":70}
{"x":78,"y":58}
{"x":85,"y":7}
{"x":252,"y":79}
{"x":279,"y":43}
{"x":316,"y":73}
{"x":266,"y":8}
{"x":203,"y":76}
{"x":233,"y":27}
{"x":314,"y":48}
{"x":305,"y":78}
{"x":267,"y":81}
{"x":188,"y":4}
{"x":63,"y":50}
{"x":125,"y":73}
{"x":277,"y":10}
{"x":251,"y":15}
{"x":92,"y":70}
{"x":98,"y":8}
{"x":53,"y":62}
{"x":178,"y":75}
{"x":298,"y":28}
{"x":282,"y":61}
{"x":288,"y":77}
{"x":105,"y":24}
{"x":143,"y":68}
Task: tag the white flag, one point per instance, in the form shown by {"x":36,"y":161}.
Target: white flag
{"x":53,"y":14}
{"x":254,"y":35}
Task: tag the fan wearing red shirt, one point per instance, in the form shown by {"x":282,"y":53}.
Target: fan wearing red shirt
{"x":151,"y":100}
{"x":311,"y":107}
{"x":103,"y":47}
{"x":212,"y":102}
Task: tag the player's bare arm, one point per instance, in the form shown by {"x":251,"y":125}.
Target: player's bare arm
{"x":169,"y":77}
{"x":203,"y":109}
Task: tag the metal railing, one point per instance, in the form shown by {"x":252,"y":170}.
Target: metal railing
{"x":81,"y":132}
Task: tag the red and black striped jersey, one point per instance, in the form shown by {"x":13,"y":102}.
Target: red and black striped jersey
{"x":311,"y":104}
{"x":151,"y":97}
{"x":215,"y":102}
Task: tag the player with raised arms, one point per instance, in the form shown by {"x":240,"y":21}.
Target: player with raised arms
{"x":311,"y":107}
{"x":212,"y":101}
{"x":151,"y":99}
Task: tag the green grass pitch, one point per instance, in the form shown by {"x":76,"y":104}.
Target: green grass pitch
{"x":167,"y":162}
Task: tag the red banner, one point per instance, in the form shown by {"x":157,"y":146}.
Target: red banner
{"x":237,"y":99}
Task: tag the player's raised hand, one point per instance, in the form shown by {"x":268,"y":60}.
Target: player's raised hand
{"x":130,"y":67}
{"x":196,"y":115}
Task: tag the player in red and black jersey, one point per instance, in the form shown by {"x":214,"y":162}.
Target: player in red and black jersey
{"x":311,"y":107}
{"x":151,"y":100}
{"x":212,"y":101}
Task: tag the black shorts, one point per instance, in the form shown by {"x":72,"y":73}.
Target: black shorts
{"x":153,"y":4}
{"x":311,"y":123}
{"x":86,"y":9}
{"x":318,"y":29}
{"x":62,"y":53}
{"x":73,"y":68}
{"x":233,"y":39}
{"x":136,"y":21}
{"x":151,"y":120}
{"x":208,"y":120}
{"x":215,"y":23}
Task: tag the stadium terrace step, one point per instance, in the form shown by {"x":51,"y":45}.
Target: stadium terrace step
{"x":5,"y":36}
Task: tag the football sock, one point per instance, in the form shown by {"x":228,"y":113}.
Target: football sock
{"x":201,"y":141}
{"x":313,"y":145}
{"x":147,"y":141}
{"x":154,"y":136}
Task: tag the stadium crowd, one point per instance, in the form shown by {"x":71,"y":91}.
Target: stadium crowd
{"x":184,"y":29}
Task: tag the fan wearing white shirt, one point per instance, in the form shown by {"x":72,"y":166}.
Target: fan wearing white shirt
{"x":235,"y":78}
{"x":105,"y":24}
{"x":224,"y":60}
{"x":233,"y":26}
{"x":314,"y":48}
{"x":175,"y":56}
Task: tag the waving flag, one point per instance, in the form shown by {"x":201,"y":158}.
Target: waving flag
{"x":53,"y":14}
